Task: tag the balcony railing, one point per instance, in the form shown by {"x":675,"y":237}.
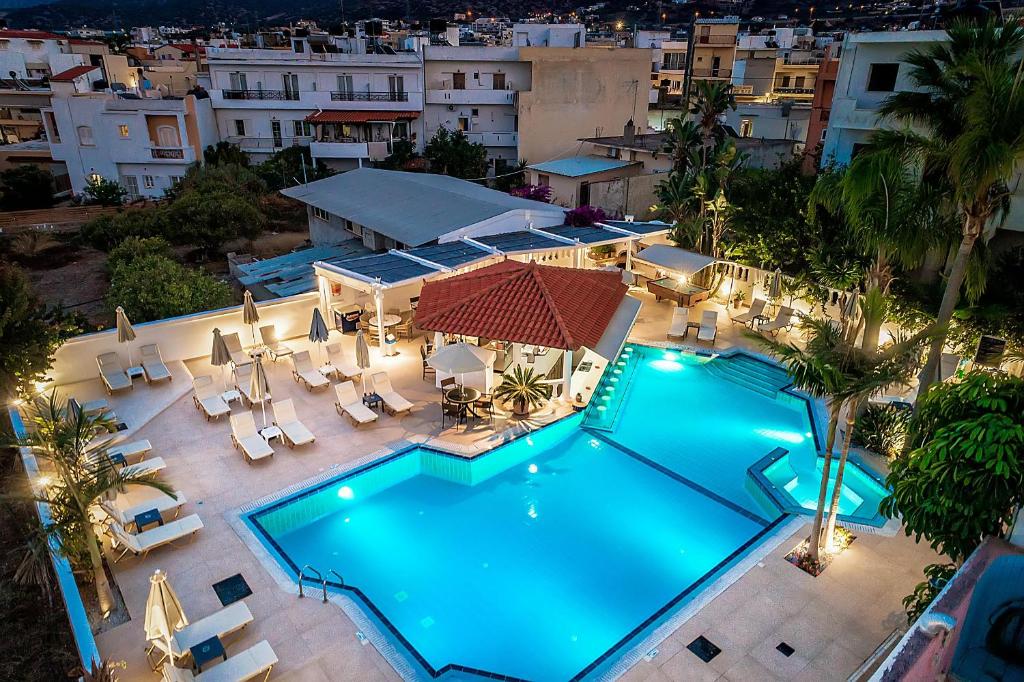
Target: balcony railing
{"x":167,"y":152}
{"x":344,"y":96}
{"x":289,"y":95}
{"x":270,"y":143}
{"x":793,"y":91}
{"x":712,"y":73}
{"x":716,"y":40}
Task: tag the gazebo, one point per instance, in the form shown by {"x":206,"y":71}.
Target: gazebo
{"x":537,"y":312}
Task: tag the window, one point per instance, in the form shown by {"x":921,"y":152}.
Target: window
{"x":674,"y":61}
{"x":345,"y":84}
{"x":275,"y":132}
{"x":746,"y":127}
{"x":458,"y":81}
{"x":291,"y":86}
{"x":498,"y":81}
{"x":882,"y":77}
{"x":239,"y":127}
{"x":94,"y":178}
{"x":85,"y":136}
{"x":354,"y":228}
{"x":396,"y":88}
{"x":303,"y":129}
{"x":238,"y":81}
{"x":463,"y":123}
{"x":148,"y":181}
{"x":800,"y":80}
{"x":131,"y":183}
{"x":298,"y":46}
{"x":785,"y":81}
{"x":321,"y":214}
{"x":167,"y":136}
{"x":122,"y":130}
{"x":474,"y":112}
{"x":543,"y":180}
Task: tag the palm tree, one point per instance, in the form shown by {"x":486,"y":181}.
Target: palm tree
{"x":709,"y":102}
{"x":684,"y":137}
{"x":64,"y":437}
{"x":969,"y":106}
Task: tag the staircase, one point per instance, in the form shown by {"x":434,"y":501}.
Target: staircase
{"x":749,"y":372}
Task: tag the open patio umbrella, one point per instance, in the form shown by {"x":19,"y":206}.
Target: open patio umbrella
{"x":362,"y":352}
{"x":164,"y":614}
{"x":318,"y":332}
{"x":220,"y":356}
{"x":125,"y":333}
{"x":250,"y":315}
{"x":259,"y":388}
{"x":460,"y":359}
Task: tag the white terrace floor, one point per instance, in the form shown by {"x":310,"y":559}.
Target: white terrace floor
{"x":834,"y":622}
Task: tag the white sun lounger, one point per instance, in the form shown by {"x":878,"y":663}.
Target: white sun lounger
{"x":349,"y":404}
{"x":138,"y":499}
{"x":256,"y":661}
{"x":680,"y":320}
{"x":784,"y":320}
{"x":147,"y":466}
{"x":246,"y":438}
{"x":293,"y":431}
{"x":756,"y":308}
{"x":393,"y":402}
{"x":276,"y":348}
{"x":234,"y":346}
{"x":112,"y":373}
{"x":222,"y":623}
{"x":243,"y":384}
{"x":708,"y":326}
{"x":343,"y":367}
{"x":208,"y":399}
{"x":141,"y":544}
{"x":304,"y":371}
{"x":135,"y":449}
{"x":153,"y":364}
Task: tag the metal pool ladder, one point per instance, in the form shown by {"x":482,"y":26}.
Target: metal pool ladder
{"x":317,"y":576}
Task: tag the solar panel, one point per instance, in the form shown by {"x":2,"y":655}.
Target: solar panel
{"x":586,"y":235}
{"x":521,"y":241}
{"x":451,"y":255}
{"x":388,"y":267}
{"x":639,"y":228}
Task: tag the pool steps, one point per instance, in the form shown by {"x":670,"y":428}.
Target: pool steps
{"x":751,"y":373}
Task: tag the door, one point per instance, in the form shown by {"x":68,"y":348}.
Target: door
{"x":238,"y":81}
{"x":458,"y":81}
{"x":498,"y":81}
{"x":396,"y":88}
{"x":167,"y":136}
{"x":275,"y":130}
{"x":716,"y":63}
{"x":345,"y":87}
{"x":584,"y":194}
{"x":291,"y":86}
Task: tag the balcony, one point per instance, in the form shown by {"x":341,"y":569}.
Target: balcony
{"x":493,"y":139}
{"x":449,"y":95}
{"x":169,"y":153}
{"x":338,"y":96}
{"x":268,"y":145}
{"x":743,"y":89}
{"x":716,"y":40}
{"x":374,"y":151}
{"x":151,"y":153}
{"x":280,"y":95}
{"x":712,"y":73}
{"x":793,"y":91}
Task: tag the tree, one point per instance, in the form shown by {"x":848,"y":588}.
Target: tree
{"x":26,"y":187}
{"x":225,"y":153}
{"x":65,"y":437}
{"x":134,"y":248}
{"x":451,"y":153}
{"x":208,"y":219}
{"x":963,"y":477}
{"x":105,"y":193}
{"x":708,"y":103}
{"x":683,"y":138}
{"x":155,"y":287}
{"x":29,"y":334}
{"x":968,"y":105}
{"x":107,"y":231}
{"x":403,"y":154}
{"x":291,"y":166}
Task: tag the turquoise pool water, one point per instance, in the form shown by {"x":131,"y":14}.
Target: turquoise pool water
{"x":546,"y":558}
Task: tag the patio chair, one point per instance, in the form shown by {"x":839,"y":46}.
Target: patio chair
{"x":485,"y":403}
{"x":234,"y":345}
{"x":393,"y":402}
{"x":258,"y":660}
{"x":756,"y":308}
{"x":293,"y":431}
{"x":708,"y":326}
{"x":245,"y":437}
{"x":243,"y":384}
{"x":344,"y":368}
{"x":427,"y":369}
{"x":404,"y":328}
{"x":276,"y":348}
{"x":222,"y":624}
{"x":112,"y":373}
{"x":303,"y":370}
{"x":456,"y":411}
{"x":123,"y":508}
{"x":141,"y":544}
{"x":448,"y":384}
{"x":350,"y":405}
{"x":207,"y":398}
{"x":784,"y":320}
{"x":153,"y":367}
{"x":680,"y":323}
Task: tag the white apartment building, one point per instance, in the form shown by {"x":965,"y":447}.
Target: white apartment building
{"x":346,"y":105}
{"x":145,"y":144}
{"x":476,"y":90}
{"x":32,"y":55}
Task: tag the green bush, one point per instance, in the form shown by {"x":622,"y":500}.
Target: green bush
{"x":155,"y":287}
{"x":882,"y":429}
{"x":285,"y":168}
{"x":108,"y":231}
{"x":134,"y":248}
{"x":27,"y":187}
{"x":225,"y":153}
{"x":208,"y":219}
{"x":105,"y":193}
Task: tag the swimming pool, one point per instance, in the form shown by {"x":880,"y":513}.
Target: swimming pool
{"x":546,"y":558}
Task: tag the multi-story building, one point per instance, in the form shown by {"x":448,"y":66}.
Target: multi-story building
{"x":144,"y":143}
{"x":821,"y":104}
{"x":476,"y":90}
{"x":777,"y":64}
{"x":33,"y":55}
{"x":347,"y":104}
{"x":714,"y":48}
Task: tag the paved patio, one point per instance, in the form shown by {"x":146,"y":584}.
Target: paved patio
{"x":833,"y":622}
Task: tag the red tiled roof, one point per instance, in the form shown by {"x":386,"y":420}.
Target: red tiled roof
{"x":525,"y":303}
{"x":189,"y":48}
{"x":85,"y":41}
{"x":360,"y":116}
{"x":72,"y":73}
{"x":30,"y":35}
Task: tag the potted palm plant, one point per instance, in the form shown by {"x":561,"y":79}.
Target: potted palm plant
{"x":523,"y":388}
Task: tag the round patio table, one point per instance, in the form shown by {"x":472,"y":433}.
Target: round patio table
{"x":462,"y":395}
{"x":389,"y":320}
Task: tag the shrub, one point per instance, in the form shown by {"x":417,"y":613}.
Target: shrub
{"x":134,"y":248}
{"x":532,"y":192}
{"x":882,"y":429}
{"x":155,"y":287}
{"x":26,"y":187}
{"x":208,"y":219}
{"x":285,"y":168}
{"x":108,"y":231}
{"x":225,"y":153}
{"x":105,"y":193}
{"x":584,"y":216}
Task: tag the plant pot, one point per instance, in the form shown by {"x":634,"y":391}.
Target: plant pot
{"x":520,"y":408}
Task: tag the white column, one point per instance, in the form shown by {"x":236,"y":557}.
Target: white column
{"x":378,"y":301}
{"x":566,"y":375}
{"x":629,"y":255}
{"x":324,"y":286}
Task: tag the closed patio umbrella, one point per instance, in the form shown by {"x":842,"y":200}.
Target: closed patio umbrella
{"x":125,"y":333}
{"x":219,"y":355}
{"x":852,"y":306}
{"x":362,"y":352}
{"x":259,"y":388}
{"x":775,"y":290}
{"x":250,"y":314}
{"x":164,"y":614}
{"x":318,"y":332}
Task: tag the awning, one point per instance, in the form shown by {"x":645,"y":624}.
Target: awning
{"x":361,"y":116}
{"x":675,"y":259}
{"x":617,"y":331}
